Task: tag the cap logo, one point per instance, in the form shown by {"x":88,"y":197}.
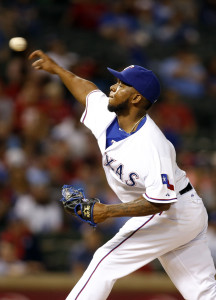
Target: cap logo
{"x":130,"y":67}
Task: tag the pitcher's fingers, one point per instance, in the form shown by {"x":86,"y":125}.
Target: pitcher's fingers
{"x":37,"y":53}
{"x":37,"y":63}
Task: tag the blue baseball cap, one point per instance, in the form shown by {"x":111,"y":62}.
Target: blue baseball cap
{"x":143,"y":80}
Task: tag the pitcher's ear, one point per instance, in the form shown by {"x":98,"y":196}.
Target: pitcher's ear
{"x":136,"y":98}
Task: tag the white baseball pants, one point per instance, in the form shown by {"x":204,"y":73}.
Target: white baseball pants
{"x":176,"y":237}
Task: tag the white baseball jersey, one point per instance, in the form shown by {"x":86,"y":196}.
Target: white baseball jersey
{"x":142,"y":164}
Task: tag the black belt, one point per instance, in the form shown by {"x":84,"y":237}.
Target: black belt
{"x":186,"y":189}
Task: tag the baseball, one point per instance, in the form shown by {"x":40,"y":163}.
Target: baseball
{"x":18,"y":44}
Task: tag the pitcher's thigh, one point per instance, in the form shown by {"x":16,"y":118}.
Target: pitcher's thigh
{"x":192,"y":270}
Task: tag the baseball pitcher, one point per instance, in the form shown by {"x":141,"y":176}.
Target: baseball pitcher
{"x":168,"y":219}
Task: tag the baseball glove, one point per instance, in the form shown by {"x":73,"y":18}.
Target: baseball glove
{"x":74,"y":200}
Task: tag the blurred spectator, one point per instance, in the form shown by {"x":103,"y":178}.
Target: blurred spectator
{"x":86,"y":67}
{"x":26,"y":20}
{"x":60,"y":161}
{"x":6,"y":196}
{"x":82,"y":251}
{"x":13,"y":181}
{"x":20,"y":253}
{"x":28,"y":102}
{"x":38,"y":209}
{"x":174,"y":117}
{"x":6,"y":106}
{"x":184,"y":72}
{"x":85,"y":13}
{"x":189,"y":9}
{"x":177,"y":31}
{"x":117,"y":24}
{"x":120,"y":24}
{"x":16,"y":162}
{"x":211,"y":77}
{"x":58,"y":51}
{"x":31,"y":122}
{"x":9,"y":263}
{"x":73,"y":134}
{"x":56,"y":107}
{"x":163,"y":11}
{"x":15,"y":157}
{"x":15,"y":75}
{"x":6,"y":117}
{"x":145,"y":16}
{"x":208,"y":13}
{"x":176,"y":21}
{"x":206,"y":187}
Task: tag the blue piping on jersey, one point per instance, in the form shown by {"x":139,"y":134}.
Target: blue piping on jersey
{"x":86,"y":109}
{"x":171,"y":199}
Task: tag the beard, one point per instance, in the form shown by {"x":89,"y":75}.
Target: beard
{"x":119,"y":108}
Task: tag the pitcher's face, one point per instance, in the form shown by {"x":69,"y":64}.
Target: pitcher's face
{"x":119,"y":96}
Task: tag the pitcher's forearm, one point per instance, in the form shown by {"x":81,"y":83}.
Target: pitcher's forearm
{"x":139,"y":207}
{"x":136,"y":208}
{"x":78,"y":86}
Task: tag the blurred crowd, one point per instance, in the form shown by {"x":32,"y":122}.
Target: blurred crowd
{"x":42,"y":143}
